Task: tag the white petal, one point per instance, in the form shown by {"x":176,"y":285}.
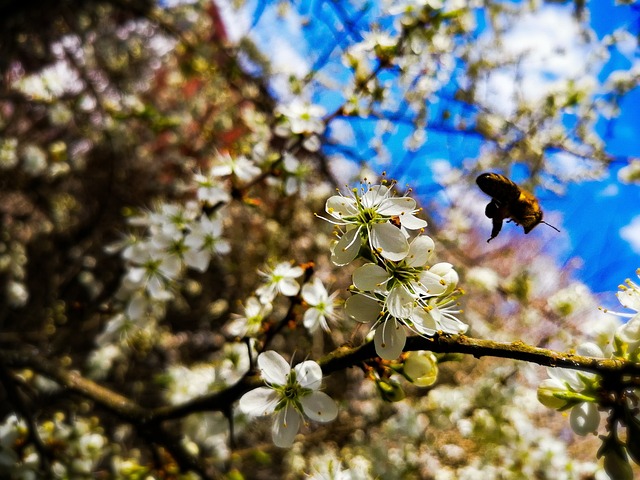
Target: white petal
{"x":448,"y":274}
{"x":137,"y":307}
{"x":339,"y":206}
{"x":400,"y":303}
{"x":565,"y":375}
{"x":420,"y":250}
{"x":347,"y":248}
{"x":311,"y":319}
{"x":319,"y":406}
{"x":389,"y":241}
{"x":285,"y":426}
{"x":397,"y":206}
{"x":390,"y":339}
{"x":273,"y":368}
{"x":288,"y":287}
{"x":312,"y":143}
{"x":431,"y":284}
{"x":309,"y":374}
{"x":237,"y":327}
{"x":370,"y":277}
{"x":584,"y":418}
{"x":423,"y":322}
{"x":285,"y":269}
{"x":374,"y":196}
{"x":630,"y":331}
{"x":199,"y":260}
{"x":170,"y":266}
{"x":260,"y":401}
{"x":436,"y":314}
{"x":222,"y":247}
{"x":452,"y":325}
{"x":195,"y":241}
{"x":136,"y":274}
{"x":362,"y":309}
{"x":629,"y":298}
{"x":314,"y":292}
{"x":267,"y":292}
{"x":590,"y":349}
{"x":410,"y":221}
{"x":157,"y":290}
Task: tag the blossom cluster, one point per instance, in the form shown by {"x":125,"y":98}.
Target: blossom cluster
{"x":587,"y":394}
{"x":396,"y":287}
{"x":83,"y":440}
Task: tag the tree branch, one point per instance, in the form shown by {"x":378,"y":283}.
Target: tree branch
{"x":149,"y":420}
{"x":346,"y":356}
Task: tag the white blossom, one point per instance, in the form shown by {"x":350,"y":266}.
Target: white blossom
{"x":289,"y":394}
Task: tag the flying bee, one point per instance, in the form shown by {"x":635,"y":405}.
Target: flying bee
{"x":509,"y":201}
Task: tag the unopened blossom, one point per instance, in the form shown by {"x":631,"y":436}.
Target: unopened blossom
{"x":280,"y":279}
{"x":321,"y":305}
{"x":290,"y":394}
{"x":421,"y":368}
{"x":578,"y":391}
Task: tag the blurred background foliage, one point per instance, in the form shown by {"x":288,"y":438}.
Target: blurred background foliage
{"x":107,"y":108}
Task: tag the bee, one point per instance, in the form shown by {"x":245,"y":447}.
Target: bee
{"x":509,"y":201}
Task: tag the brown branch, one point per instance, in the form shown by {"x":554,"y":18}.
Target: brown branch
{"x":343,"y":357}
{"x":346,"y":356}
{"x":149,"y":420}
{"x":115,"y":403}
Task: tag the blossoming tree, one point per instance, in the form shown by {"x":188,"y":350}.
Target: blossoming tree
{"x":176,"y":262}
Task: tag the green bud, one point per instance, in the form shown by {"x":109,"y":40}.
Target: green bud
{"x":617,"y":466}
{"x":550,"y":393}
{"x":421,"y":368}
{"x":633,"y":437}
{"x":390,"y":391}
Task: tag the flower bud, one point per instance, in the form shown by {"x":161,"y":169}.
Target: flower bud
{"x":584,"y":418}
{"x":390,"y":391}
{"x":616,"y":463}
{"x":549,"y":392}
{"x":421,"y":368}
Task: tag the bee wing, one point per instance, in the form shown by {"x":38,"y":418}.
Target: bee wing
{"x":498,"y":186}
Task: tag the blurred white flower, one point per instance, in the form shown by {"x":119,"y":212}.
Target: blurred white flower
{"x":188,"y":383}
{"x":280,"y":280}
{"x":249,"y":324}
{"x":243,"y":168}
{"x":321,"y":305}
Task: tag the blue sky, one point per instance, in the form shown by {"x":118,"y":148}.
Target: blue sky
{"x":593,"y":214}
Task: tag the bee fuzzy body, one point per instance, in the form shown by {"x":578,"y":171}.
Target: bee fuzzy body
{"x":508,"y":201}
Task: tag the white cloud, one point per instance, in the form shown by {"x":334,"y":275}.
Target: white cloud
{"x":551,"y":49}
{"x":236,"y":22}
{"x":277,"y":35}
{"x":631,"y":233}
{"x":610,"y":190}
